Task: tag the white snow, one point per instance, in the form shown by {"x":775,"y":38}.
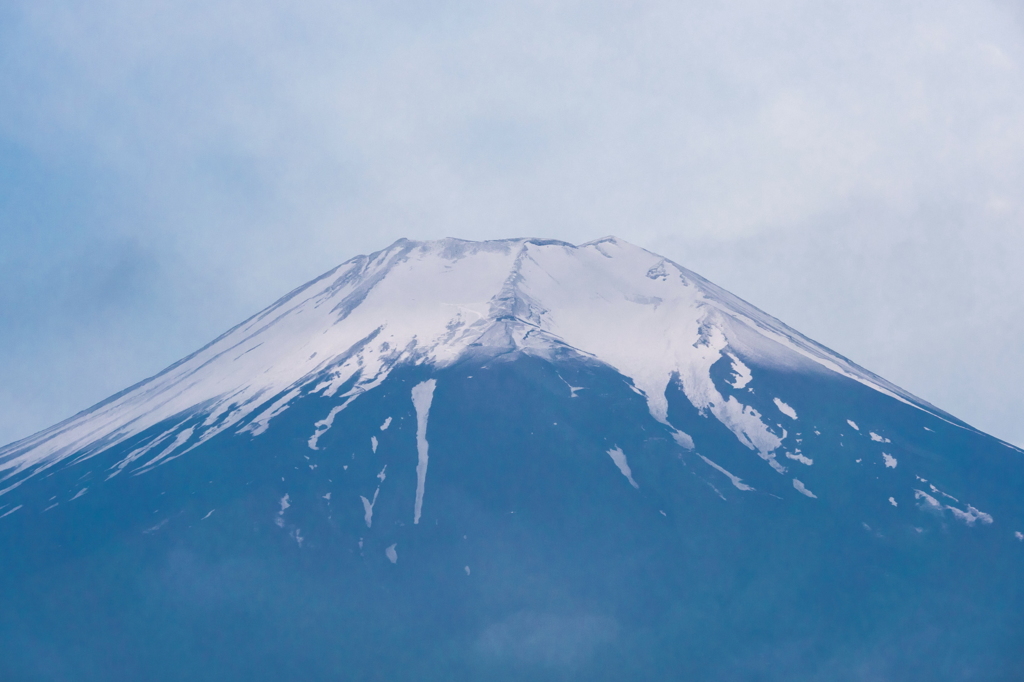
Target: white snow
{"x":79,"y":493}
{"x":939,"y":492}
{"x":325,"y":424}
{"x":969,"y":517}
{"x":784,"y":408}
{"x":890,"y":461}
{"x":892,"y":501}
{"x":929,"y":501}
{"x":285,"y":503}
{"x":432,"y":303}
{"x":368,"y":507}
{"x":261,"y":423}
{"x":386,"y":424}
{"x":741,"y":373}
{"x":878,"y":439}
{"x":208,"y":514}
{"x":11,"y":511}
{"x":165,"y":454}
{"x":572,"y":389}
{"x":853,"y":424}
{"x":422,"y":396}
{"x":619,"y":457}
{"x":327,"y":497}
{"x":736,"y":480}
{"x":391,"y":553}
{"x":373,"y":444}
{"x":801,"y":488}
{"x":139,"y":452}
{"x":798,"y":456}
{"x":155,"y":528}
{"x":682,"y":439}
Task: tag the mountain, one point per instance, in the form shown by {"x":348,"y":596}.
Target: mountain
{"x":521,"y":460}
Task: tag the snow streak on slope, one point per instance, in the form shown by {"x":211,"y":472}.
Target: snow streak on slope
{"x":432,"y":303}
{"x":422,"y":396}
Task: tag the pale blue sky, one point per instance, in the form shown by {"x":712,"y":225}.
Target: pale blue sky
{"x":168,"y":168}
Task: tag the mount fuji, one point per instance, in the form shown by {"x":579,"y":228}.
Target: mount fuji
{"x":512,"y":460}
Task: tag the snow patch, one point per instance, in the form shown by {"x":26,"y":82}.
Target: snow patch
{"x":853,"y":424}
{"x":736,"y":480}
{"x":892,"y":501}
{"x":324,"y":425}
{"x":929,"y":501}
{"x":422,"y":396}
{"x":208,"y":514}
{"x":878,"y":439}
{"x":79,"y":493}
{"x":784,"y":408}
{"x":798,"y":456}
{"x":682,"y":439}
{"x":368,"y":507}
{"x":156,"y":527}
{"x":391,"y":553}
{"x":741,"y":373}
{"x":261,"y":423}
{"x":969,"y":517}
{"x":939,"y":492}
{"x":890,"y":461}
{"x":619,"y":457}
{"x":386,"y":424}
{"x":573,"y":390}
{"x":139,"y":452}
{"x":165,"y":455}
{"x":11,"y":511}
{"x":373,"y":444}
{"x":802,"y":489}
{"x":285,"y":503}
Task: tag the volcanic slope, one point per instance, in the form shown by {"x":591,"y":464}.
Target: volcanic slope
{"x":516,"y":459}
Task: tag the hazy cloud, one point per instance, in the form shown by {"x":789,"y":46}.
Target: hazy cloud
{"x":171,"y":167}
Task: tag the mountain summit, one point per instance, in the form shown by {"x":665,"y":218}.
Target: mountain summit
{"x":514,"y":459}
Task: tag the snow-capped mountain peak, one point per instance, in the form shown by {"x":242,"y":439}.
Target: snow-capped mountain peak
{"x":436,"y":302}
{"x":517,"y":459}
